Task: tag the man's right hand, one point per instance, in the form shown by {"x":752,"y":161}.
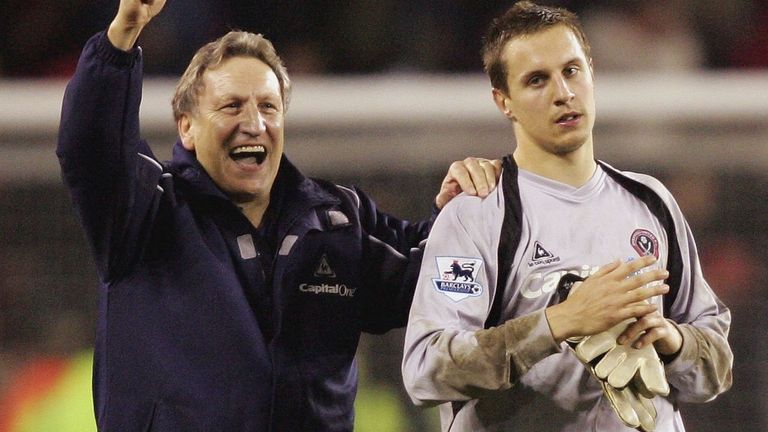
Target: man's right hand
{"x":616,"y":292}
{"x":132,"y":16}
{"x":475,"y":176}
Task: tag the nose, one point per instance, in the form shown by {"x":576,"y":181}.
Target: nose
{"x":252,"y":121}
{"x":563,"y":92}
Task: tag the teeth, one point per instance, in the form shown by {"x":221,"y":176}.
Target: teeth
{"x":249,"y":149}
{"x":249,"y":153}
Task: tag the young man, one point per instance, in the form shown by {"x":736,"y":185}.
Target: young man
{"x":233,"y":288}
{"x":492,"y":313}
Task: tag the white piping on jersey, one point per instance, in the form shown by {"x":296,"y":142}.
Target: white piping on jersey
{"x":357,"y":198}
{"x":154,"y":162}
{"x":157,"y":165}
{"x":287,"y":245}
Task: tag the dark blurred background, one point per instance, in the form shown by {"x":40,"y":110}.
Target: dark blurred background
{"x":43,"y":38}
{"x":708,"y":142}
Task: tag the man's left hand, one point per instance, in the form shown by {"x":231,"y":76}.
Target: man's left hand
{"x":654,"y":329}
{"x":475,"y":176}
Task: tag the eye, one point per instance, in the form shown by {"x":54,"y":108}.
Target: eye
{"x":570,"y":71}
{"x":536,"y":80}
{"x":268,"y":107}
{"x":232,"y":105}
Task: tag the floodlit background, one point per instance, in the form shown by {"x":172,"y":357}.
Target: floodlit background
{"x":388,"y":93}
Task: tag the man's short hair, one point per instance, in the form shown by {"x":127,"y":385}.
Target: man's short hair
{"x":211,"y":55}
{"x":524,"y":18}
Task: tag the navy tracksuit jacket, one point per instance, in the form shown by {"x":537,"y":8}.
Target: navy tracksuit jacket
{"x":206,"y":323}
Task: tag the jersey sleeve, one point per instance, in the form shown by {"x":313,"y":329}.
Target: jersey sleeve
{"x":112,"y":175}
{"x":703,"y":368}
{"x":449,"y":355}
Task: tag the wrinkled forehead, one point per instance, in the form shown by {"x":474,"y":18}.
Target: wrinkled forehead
{"x":241,"y":75}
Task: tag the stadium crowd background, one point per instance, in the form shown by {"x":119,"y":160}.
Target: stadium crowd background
{"x":43,"y":38}
{"x":47,"y":283}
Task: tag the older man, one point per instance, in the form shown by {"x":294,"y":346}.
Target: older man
{"x":233,"y":289}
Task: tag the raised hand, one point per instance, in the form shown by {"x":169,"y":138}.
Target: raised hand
{"x":132,"y":16}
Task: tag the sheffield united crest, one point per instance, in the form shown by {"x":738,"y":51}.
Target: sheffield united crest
{"x":645,"y":243}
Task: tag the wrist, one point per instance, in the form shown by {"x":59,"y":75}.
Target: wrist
{"x":123,"y":35}
{"x":669,"y":348}
{"x":559,"y":323}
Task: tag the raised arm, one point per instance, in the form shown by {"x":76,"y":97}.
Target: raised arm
{"x":112,"y":175}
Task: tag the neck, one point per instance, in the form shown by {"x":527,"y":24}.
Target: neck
{"x":254,"y":210}
{"x":574,"y":168}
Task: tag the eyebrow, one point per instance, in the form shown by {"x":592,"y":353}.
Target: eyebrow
{"x":527,"y":76}
{"x":574,"y":60}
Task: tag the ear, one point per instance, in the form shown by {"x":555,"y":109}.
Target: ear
{"x":186,"y":128}
{"x":503,"y":104}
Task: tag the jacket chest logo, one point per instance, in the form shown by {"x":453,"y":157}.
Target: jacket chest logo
{"x":324,"y":269}
{"x":339,"y":289}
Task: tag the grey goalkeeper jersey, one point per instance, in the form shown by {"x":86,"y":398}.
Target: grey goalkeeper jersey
{"x":486,"y":354}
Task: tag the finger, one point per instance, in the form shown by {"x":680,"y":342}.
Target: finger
{"x":642,"y":325}
{"x":490,"y":172}
{"x":497,"y":166}
{"x":620,"y":402}
{"x":646,"y":292}
{"x":638,"y":310}
{"x":606,"y":269}
{"x":632,"y":332}
{"x":647,"y":277}
{"x":634,"y":266}
{"x":478,"y":175}
{"x":460,"y":173}
{"x":450,"y":186}
{"x":646,"y":412}
{"x":653,"y":377}
{"x":594,"y":346}
{"x":642,"y":331}
{"x":649,"y":337}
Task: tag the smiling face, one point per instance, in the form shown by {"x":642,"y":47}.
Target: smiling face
{"x":550,"y":96}
{"x":236,"y":129}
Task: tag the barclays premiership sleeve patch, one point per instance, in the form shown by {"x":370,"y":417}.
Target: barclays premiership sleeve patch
{"x":457,"y":277}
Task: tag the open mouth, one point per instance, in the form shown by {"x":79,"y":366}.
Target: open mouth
{"x":249,"y":154}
